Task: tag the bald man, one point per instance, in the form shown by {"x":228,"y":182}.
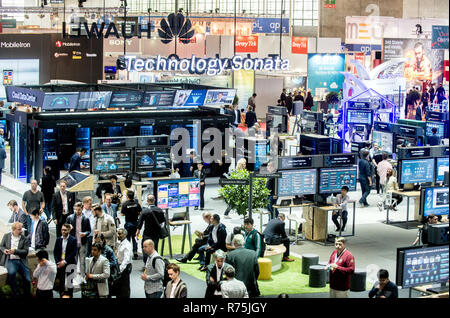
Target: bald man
{"x":152,"y":217}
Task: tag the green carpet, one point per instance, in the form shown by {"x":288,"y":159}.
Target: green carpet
{"x":287,"y":280}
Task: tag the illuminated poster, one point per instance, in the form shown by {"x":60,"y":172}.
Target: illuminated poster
{"x":324,"y":73}
{"x":244,"y":83}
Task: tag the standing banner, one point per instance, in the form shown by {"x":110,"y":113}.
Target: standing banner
{"x":439,"y":37}
{"x":299,"y":45}
{"x":246,"y":44}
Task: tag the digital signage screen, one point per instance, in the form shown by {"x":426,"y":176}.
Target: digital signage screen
{"x":152,"y":159}
{"x":348,"y":159}
{"x":384,"y":140}
{"x":178,"y":193}
{"x":111,"y":160}
{"x":441,"y":168}
{"x":435,"y":201}
{"x":424,"y":266}
{"x":60,"y":101}
{"x":98,"y":100}
{"x":126,"y":99}
{"x":219,"y":97}
{"x":439,"y":126}
{"x":297,"y":182}
{"x":158,"y":99}
{"x":295,"y":162}
{"x":333,"y":179}
{"x":189,"y":97}
{"x":359,"y":116}
{"x":417,"y":171}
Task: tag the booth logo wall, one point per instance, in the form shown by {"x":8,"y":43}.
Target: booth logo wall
{"x":324,"y":72}
{"x":176,"y":26}
{"x":299,"y":45}
{"x":246,"y":44}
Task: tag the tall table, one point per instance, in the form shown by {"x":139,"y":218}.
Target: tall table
{"x":408,"y":195}
{"x":303,"y":205}
{"x":187,"y":228}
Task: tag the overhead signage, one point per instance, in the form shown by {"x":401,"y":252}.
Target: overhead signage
{"x":208,"y":66}
{"x":410,"y":152}
{"x":339,"y":160}
{"x":224,"y":181}
{"x":362,"y":48}
{"x":299,"y":45}
{"x":111,"y":30}
{"x":270,"y":25}
{"x":358,"y":104}
{"x":439,"y":37}
{"x":14,"y":45}
{"x":246,"y":44}
{"x":267,"y":175}
{"x":295,"y":162}
{"x":24,"y":96}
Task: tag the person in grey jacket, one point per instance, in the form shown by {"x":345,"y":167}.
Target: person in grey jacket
{"x":233,"y":288}
{"x":97,"y":269}
{"x":2,"y":161}
{"x":154,"y":271}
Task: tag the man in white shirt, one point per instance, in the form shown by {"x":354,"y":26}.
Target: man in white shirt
{"x":124,"y":255}
{"x":341,"y":201}
{"x":233,"y":288}
{"x":45,"y":273}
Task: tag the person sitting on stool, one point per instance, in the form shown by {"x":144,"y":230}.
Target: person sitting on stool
{"x":275,"y":234}
{"x":341,"y":201}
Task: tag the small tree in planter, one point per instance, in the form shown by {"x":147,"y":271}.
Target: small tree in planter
{"x":332,"y":98}
{"x":236,"y":196}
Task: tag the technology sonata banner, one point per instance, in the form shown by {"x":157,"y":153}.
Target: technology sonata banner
{"x":246,"y":44}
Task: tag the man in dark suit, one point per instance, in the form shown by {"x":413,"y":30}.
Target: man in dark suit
{"x":213,"y":278}
{"x":81,"y":228}
{"x":275,"y":234}
{"x":151,"y":218}
{"x":62,"y":206}
{"x":250,"y":117}
{"x":236,"y":116}
{"x":65,"y":253}
{"x":245,"y":262}
{"x":289,"y":103}
{"x":14,"y":252}
{"x":17,"y":214}
{"x":39,"y":236}
{"x":216,"y":241}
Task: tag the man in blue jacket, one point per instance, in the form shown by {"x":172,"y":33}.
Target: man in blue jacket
{"x":216,"y":241}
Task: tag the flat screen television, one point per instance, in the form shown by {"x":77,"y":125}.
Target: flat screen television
{"x":297,"y":182}
{"x":434,"y":200}
{"x":111,"y":161}
{"x":384,"y":140}
{"x":422,"y":266}
{"x":331,"y":180}
{"x":441,"y":168}
{"x":416,"y":171}
{"x":435,"y":124}
{"x":157,"y":99}
{"x":60,"y":101}
{"x":189,"y":97}
{"x":126,"y":99}
{"x":217,"y":97}
{"x":99,"y":100}
{"x":359,"y":116}
{"x":178,"y":193}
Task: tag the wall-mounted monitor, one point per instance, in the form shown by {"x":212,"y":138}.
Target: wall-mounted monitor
{"x":126,"y":99}
{"x":217,"y":97}
{"x":359,"y":116}
{"x":111,"y":161}
{"x":441,"y":168}
{"x":331,"y":180}
{"x":417,"y":171}
{"x":60,"y":101}
{"x":178,"y":193}
{"x":434,"y":200}
{"x":158,"y":99}
{"x":343,"y":159}
{"x":297,"y":182}
{"x":384,"y":140}
{"x":98,"y":100}
{"x":189,"y":97}
{"x":110,"y":70}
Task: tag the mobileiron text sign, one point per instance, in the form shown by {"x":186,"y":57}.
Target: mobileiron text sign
{"x":15,"y":45}
{"x":208,"y":66}
{"x":246,"y":44}
{"x":24,"y":96}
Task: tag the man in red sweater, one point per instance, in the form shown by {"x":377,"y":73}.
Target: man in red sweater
{"x":342,"y":266}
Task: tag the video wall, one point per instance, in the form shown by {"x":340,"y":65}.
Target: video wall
{"x":178,"y":193}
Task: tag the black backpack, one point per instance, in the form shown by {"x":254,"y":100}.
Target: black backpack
{"x":263,"y":244}
{"x":166,"y":278}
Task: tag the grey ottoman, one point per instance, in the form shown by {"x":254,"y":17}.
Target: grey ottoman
{"x":317,"y":276}
{"x":358,"y":280}
{"x":328,"y":271}
{"x":307,"y":261}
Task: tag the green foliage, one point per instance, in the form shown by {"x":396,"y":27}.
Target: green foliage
{"x":235,"y":100}
{"x":5,"y":292}
{"x":237,"y":196}
{"x":332,"y":98}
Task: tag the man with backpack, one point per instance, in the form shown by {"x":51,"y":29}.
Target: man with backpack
{"x":154,"y":272}
{"x":253,"y":239}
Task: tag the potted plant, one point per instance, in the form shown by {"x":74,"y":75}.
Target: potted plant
{"x":236,"y":196}
{"x":332,"y":98}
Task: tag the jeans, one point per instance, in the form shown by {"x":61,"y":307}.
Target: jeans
{"x":201,"y":254}
{"x":365,"y":189}
{"x":195,"y":248}
{"x":154,"y":295}
{"x":335,"y":216}
{"x":1,"y":171}
{"x":273,"y":212}
{"x":131,"y":228}
{"x":48,"y":209}
{"x":14,"y":266}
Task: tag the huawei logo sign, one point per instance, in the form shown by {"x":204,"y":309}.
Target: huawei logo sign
{"x":58,"y":44}
{"x":176,"y":26}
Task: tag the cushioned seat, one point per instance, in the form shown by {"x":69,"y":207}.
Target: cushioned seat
{"x":307,"y":261}
{"x":265,"y":268}
{"x":317,"y":276}
{"x":358,"y":280}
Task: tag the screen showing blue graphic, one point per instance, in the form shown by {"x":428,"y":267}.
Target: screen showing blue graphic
{"x":60,"y":101}
{"x":98,"y":100}
{"x":333,"y":179}
{"x":158,"y":99}
{"x":435,"y":201}
{"x":111,"y":160}
{"x":435,"y":124}
{"x":441,"y":167}
{"x":126,"y":99}
{"x":384,"y":140}
{"x":425,"y":266}
{"x":298,"y":182}
{"x":359,"y":116}
{"x":178,"y":193}
{"x":417,"y":171}
{"x":219,"y":97}
{"x":189,"y":97}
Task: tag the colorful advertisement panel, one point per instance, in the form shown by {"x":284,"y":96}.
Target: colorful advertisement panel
{"x":324,"y":73}
{"x":439,"y":37}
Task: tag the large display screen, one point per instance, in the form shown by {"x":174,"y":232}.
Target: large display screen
{"x":441,"y":168}
{"x":152,"y":159}
{"x":178,"y":193}
{"x":60,"y":101}
{"x":189,"y":97}
{"x":158,"y":98}
{"x":435,"y":201}
{"x":384,"y":140}
{"x":219,"y":97}
{"x":297,"y":182}
{"x":417,"y":171}
{"x":434,"y":124}
{"x":426,"y":265}
{"x":111,"y":160}
{"x":359,"y":116}
{"x":333,"y":179}
{"x":96,"y":100}
{"x":126,"y":99}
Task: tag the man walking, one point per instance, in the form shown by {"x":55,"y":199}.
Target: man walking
{"x":342,"y":266}
{"x":131,"y":210}
{"x":32,"y":199}
{"x":200,"y":174}
{"x":154,"y":271}
{"x":124,"y":255}
{"x":253,"y":239}
{"x":45,"y":273}
{"x":104,"y":224}
{"x":65,"y":254}
{"x":62,"y":206}
{"x":365,"y":177}
{"x":39,"y":235}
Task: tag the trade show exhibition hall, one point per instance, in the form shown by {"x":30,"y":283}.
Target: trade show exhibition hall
{"x":224,"y":149}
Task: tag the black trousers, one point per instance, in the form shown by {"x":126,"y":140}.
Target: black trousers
{"x":155,"y":240}
{"x":44,"y":294}
{"x":279,"y":240}
{"x":398,"y":198}
{"x":61,"y":276}
{"x":60,"y":224}
{"x":377,"y":183}
{"x":198,"y":243}
{"x":202,"y":196}
{"x":344,"y":219}
{"x":122,"y":286}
